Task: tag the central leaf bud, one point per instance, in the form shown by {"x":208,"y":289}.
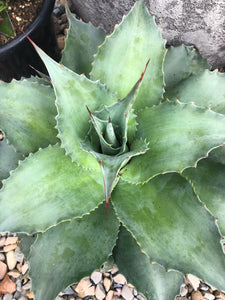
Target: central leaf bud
{"x":107,"y":138}
{"x":110,"y":135}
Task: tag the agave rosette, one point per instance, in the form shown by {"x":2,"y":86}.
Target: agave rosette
{"x":157,"y":163}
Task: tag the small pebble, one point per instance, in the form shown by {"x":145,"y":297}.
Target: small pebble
{"x":2,"y":241}
{"x":109,"y":295}
{"x":127,"y":293}
{"x":194,"y":281}
{"x":204,"y":287}
{"x":140,"y":297}
{"x":184,"y":291}
{"x":116,"y":298}
{"x":19,"y":286}
{"x":3,"y":270}
{"x":2,"y":257}
{"x":209,"y":296}
{"x":11,"y":240}
{"x":119,"y":278}
{"x":100,"y":292}
{"x":69,"y":291}
{"x":96,"y":277}
{"x":19,"y":267}
{"x":8,"y":297}
{"x":118,"y":292}
{"x":29,"y":295}
{"x":7,"y":286}
{"x":17,"y":294}
{"x":11,"y":262}
{"x":14,"y":273}
{"x":117,"y":285}
{"x":107,"y":283}
{"x":9,"y":247}
{"x":219,"y":295}
{"x":19,"y":256}
{"x":27,"y":286}
{"x":84,"y":288}
{"x":24,"y":268}
{"x":197,"y":295}
{"x":114,"y":271}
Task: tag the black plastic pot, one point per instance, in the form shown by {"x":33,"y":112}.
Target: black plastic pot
{"x":18,"y":56}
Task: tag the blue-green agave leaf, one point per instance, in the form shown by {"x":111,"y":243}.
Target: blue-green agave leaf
{"x":46,"y":189}
{"x":208,"y":180}
{"x":179,"y":134}
{"x":180,"y":63}
{"x":149,"y":278}
{"x":172,"y":226}
{"x":70,"y":251}
{"x":28,"y":121}
{"x":124,"y":54}
{"x":81,"y":44}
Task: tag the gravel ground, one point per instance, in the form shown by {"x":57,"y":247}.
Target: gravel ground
{"x":106,"y":283}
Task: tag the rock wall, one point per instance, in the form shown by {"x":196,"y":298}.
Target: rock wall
{"x":192,"y":22}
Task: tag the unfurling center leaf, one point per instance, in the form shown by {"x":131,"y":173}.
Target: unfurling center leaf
{"x":107,"y":138}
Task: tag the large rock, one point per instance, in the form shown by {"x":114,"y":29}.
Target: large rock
{"x":192,"y":22}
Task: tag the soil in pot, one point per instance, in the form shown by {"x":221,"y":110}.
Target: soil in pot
{"x":21,"y":14}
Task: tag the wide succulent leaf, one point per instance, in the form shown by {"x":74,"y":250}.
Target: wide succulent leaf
{"x":122,"y":57}
{"x":206,"y":89}
{"x":172,"y":226}
{"x":45,"y":189}
{"x":179,"y":134}
{"x":182,"y":62}
{"x":28,"y":121}
{"x":73,"y":94}
{"x":8,"y":159}
{"x":151,"y":279}
{"x":208,"y":179}
{"x":70,"y":251}
{"x":81,"y":44}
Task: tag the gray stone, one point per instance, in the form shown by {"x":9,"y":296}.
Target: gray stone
{"x":23,"y":298}
{"x":19,"y":256}
{"x":8,"y":297}
{"x":100,"y":292}
{"x":192,"y":22}
{"x":26,"y":286}
{"x":19,"y":286}
{"x":96,"y":277}
{"x":69,"y":291}
{"x":17,"y":295}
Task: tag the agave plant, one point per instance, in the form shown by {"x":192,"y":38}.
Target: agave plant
{"x":125,"y":139}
